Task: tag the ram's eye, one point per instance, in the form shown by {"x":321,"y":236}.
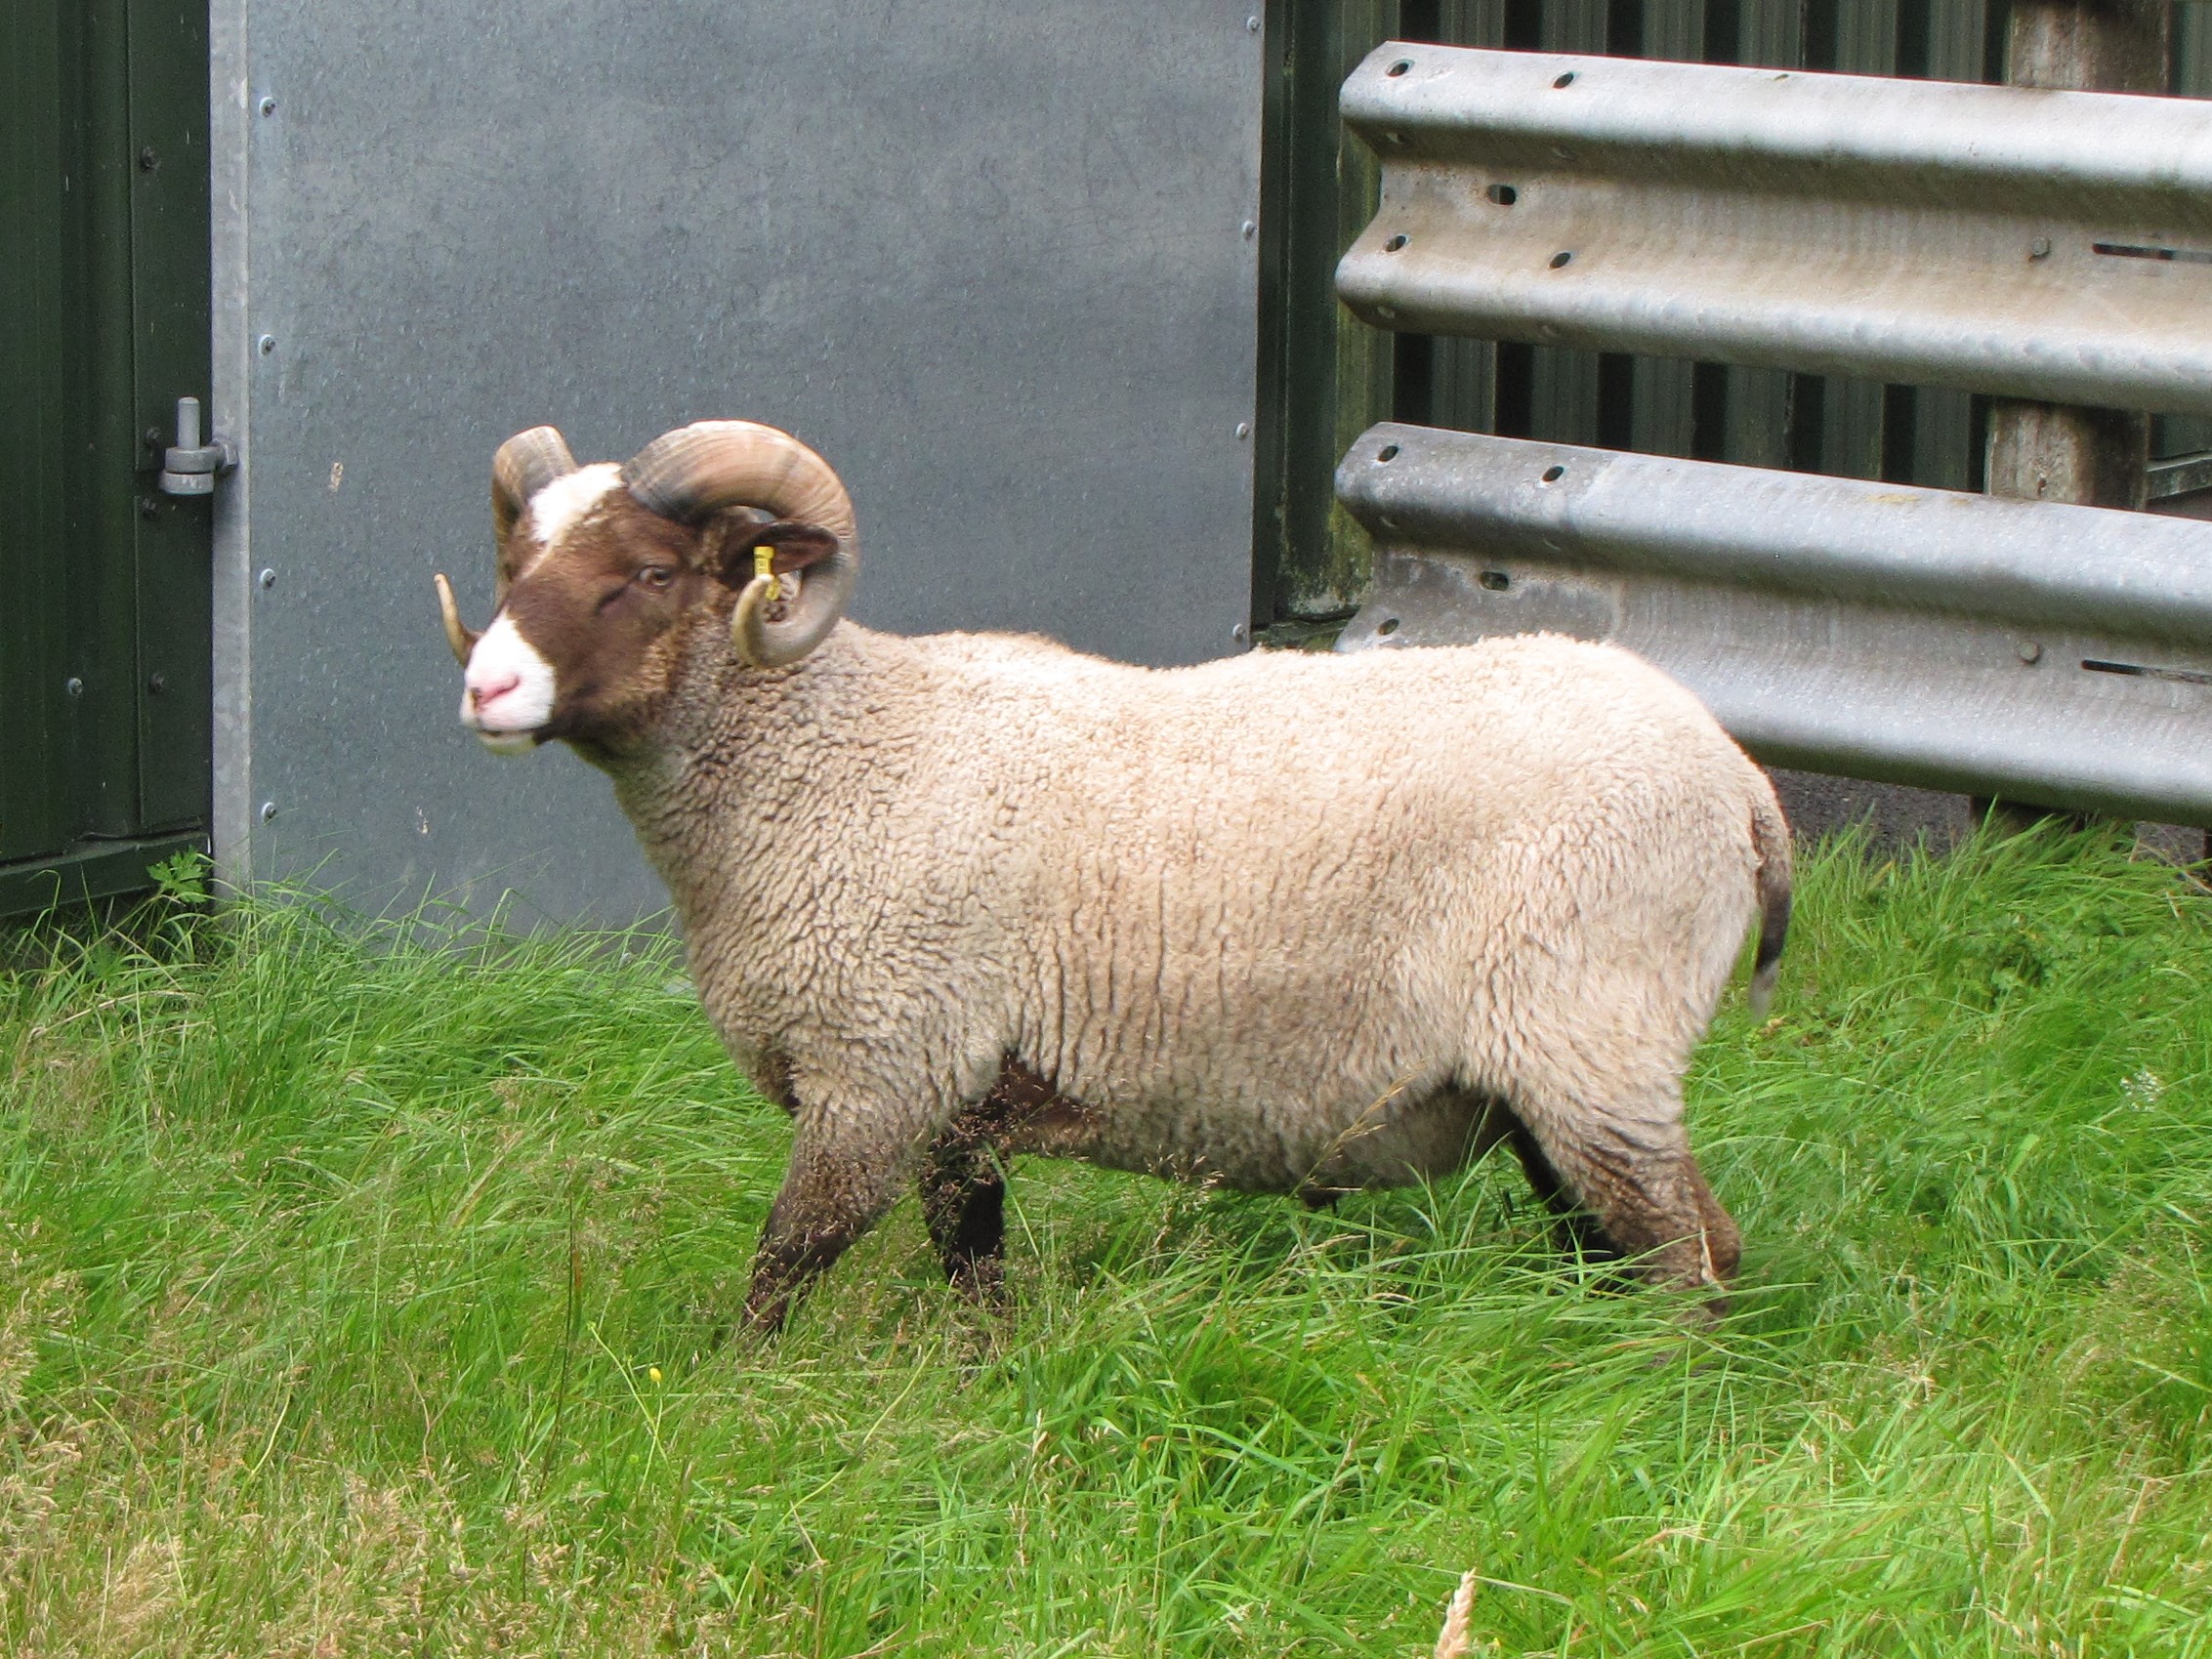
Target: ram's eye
{"x":654,"y":576}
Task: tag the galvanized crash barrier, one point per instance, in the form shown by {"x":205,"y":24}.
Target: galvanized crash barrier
{"x":2061,"y":654}
{"x":2037,"y":244}
{"x":2041,"y":244}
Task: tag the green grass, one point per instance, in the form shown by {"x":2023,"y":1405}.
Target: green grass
{"x":358,"y":1295}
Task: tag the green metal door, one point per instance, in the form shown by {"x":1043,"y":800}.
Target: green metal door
{"x":105,"y":644}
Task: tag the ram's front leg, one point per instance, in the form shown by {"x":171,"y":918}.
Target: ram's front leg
{"x":847,"y":1166}
{"x":964,"y":1203}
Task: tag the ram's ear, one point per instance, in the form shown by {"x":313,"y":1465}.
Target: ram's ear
{"x":794,"y":546}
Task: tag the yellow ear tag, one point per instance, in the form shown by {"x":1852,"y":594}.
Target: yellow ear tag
{"x":764,"y":566}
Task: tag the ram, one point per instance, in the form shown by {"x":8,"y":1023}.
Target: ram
{"x":1288,"y":923}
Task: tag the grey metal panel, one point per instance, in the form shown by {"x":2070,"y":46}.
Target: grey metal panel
{"x":991,"y":261}
{"x":2045,"y":244}
{"x":2048,"y":653}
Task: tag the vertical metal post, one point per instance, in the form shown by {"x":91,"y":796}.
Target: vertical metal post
{"x":2055,"y":452}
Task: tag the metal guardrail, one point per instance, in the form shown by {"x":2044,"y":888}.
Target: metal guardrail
{"x":2048,"y":653}
{"x":2046,"y":245}
{"x":2051,"y":246}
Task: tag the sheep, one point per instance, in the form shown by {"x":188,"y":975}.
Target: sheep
{"x":1284,"y":922}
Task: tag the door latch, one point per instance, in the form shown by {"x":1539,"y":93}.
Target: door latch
{"x":190,"y":466}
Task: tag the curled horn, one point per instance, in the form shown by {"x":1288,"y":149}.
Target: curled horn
{"x":526,"y":464}
{"x":458,"y":633}
{"x":701,"y":469}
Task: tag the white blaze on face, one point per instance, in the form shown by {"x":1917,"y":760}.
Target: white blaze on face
{"x":555,"y":508}
{"x":508,"y":689}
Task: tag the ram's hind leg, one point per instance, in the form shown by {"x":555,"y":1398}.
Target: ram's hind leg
{"x":964,"y":1203}
{"x":1578,"y":1228}
{"x":1632,"y":1172}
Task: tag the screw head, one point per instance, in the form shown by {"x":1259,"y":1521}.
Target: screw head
{"x":269,"y":106}
{"x":1252,"y":26}
{"x":74,"y":686}
{"x":148,"y":507}
{"x":268,"y":579}
{"x":2040,"y":248}
{"x":1243,"y":429}
{"x":148,"y":160}
{"x":2030,"y":651}
{"x":267,"y":811}
{"x":157,"y":683}
{"x":268,"y":344}
{"x":1249,"y":229}
{"x":1241,"y":633}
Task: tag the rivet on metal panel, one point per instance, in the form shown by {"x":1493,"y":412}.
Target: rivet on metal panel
{"x":1241,"y":632}
{"x":268,"y":344}
{"x":1252,"y":26}
{"x":157,"y":683}
{"x":2030,"y":651}
{"x":148,"y":507}
{"x":268,"y":578}
{"x":267,"y":811}
{"x":1243,"y":429}
{"x":74,"y":686}
{"x":2040,"y":248}
{"x":268,"y":105}
{"x":1249,"y":229}
{"x":148,"y":160}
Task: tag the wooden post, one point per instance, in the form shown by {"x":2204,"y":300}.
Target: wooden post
{"x":2057,"y":451}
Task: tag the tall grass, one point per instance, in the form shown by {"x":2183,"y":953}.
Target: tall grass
{"x":362,"y":1296}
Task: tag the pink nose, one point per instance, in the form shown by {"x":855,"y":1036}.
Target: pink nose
{"x":490,"y":691}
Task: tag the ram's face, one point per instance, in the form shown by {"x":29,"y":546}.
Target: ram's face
{"x":606,"y":575}
{"x":584,"y":644}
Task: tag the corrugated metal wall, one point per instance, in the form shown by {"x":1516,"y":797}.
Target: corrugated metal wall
{"x":1355,"y":375}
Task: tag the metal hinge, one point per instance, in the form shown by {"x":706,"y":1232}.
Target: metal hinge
{"x":190,"y":466}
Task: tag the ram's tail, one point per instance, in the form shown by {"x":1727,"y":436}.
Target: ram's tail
{"x":1769,"y":840}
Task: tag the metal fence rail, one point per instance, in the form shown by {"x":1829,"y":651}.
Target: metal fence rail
{"x":2042,"y":245}
{"x":2037,"y":244}
{"x":2061,"y":654}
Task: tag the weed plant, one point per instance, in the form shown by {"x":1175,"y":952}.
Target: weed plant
{"x":363,"y":1291}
